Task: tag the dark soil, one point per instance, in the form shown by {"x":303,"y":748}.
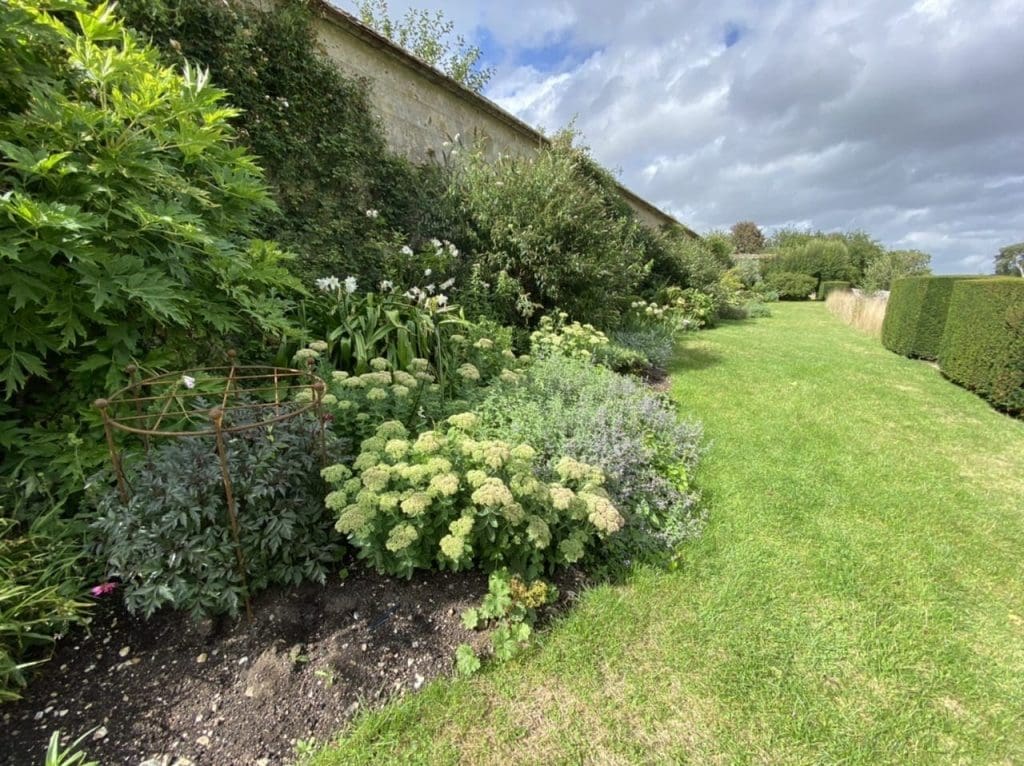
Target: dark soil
{"x":170,"y":691}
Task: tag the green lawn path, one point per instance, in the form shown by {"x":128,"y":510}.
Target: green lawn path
{"x":858,"y":596}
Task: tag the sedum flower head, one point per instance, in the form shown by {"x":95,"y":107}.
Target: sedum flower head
{"x":513,"y":513}
{"x":571,"y":550}
{"x":375,"y":478}
{"x":561,"y":497}
{"x":388,"y":501}
{"x":396,"y":449}
{"x":454,"y":547}
{"x":416,"y":503}
{"x":492,"y":494}
{"x":538,"y":533}
{"x":402,"y":378}
{"x":304,"y":355}
{"x":428,"y":442}
{"x":475,"y":477}
{"x":366,"y":459}
{"x":570,"y":469}
{"x":356,"y":382}
{"x":419,"y":365}
{"x":495,"y":454}
{"x":524,"y":452}
{"x":339,"y":375}
{"x":330,"y":399}
{"x":469,"y":372}
{"x":332,"y":474}
{"x":336,"y":500}
{"x":304,"y":396}
{"x":484,"y":343}
{"x":380,"y":364}
{"x":399,"y":391}
{"x":602,"y":513}
{"x":355,"y":519}
{"x":379,"y":378}
{"x":353,"y":485}
{"x":392,"y":429}
{"x":465,"y":421}
{"x":401,"y":537}
{"x":319,"y":346}
{"x":444,"y":485}
{"x":462,"y":526}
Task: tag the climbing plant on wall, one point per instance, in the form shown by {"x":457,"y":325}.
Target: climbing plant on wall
{"x":313,"y":129}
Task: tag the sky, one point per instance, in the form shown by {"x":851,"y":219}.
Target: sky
{"x":903,"y":119}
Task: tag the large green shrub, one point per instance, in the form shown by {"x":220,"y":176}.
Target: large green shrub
{"x":821,"y":258}
{"x":555,"y":228}
{"x":127,"y":223}
{"x":448,"y":500}
{"x":791,"y":286}
{"x":915,"y":315}
{"x":982,"y":347}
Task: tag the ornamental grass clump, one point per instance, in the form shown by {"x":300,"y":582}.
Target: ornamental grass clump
{"x":447,"y":500}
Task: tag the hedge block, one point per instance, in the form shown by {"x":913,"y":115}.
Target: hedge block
{"x":982,"y":347}
{"x":831,"y":285}
{"x":916,"y":315}
{"x":902,"y":313}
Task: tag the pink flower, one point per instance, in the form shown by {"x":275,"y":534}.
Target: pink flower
{"x":103,"y":589}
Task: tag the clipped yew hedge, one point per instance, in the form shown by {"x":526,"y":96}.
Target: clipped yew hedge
{"x":982,"y":347}
{"x":831,"y":285}
{"x":902,"y":313}
{"x":915,"y":318}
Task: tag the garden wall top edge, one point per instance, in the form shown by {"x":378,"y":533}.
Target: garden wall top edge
{"x":421,"y":107}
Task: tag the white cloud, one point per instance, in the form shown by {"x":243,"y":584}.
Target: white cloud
{"x":896,"y":116}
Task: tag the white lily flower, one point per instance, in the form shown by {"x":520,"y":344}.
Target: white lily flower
{"x":328,"y":284}
{"x":188,"y":381}
{"x":427,"y":272}
{"x":406,"y":250}
{"x":350,"y":285}
{"x":372,"y":213}
{"x":387,"y":286}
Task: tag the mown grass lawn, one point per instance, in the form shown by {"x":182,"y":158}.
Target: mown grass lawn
{"x":858,"y":596}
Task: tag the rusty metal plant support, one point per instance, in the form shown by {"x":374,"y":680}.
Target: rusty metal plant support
{"x":141,"y":409}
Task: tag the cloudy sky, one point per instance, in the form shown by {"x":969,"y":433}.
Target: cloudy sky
{"x":905,"y":119}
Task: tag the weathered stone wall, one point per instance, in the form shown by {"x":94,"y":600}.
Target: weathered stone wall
{"x":421,"y":108}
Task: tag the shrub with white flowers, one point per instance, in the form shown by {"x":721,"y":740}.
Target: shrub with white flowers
{"x":446,"y":500}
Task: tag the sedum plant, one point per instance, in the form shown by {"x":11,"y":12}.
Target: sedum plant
{"x":556,"y":335}
{"x":446,"y":500}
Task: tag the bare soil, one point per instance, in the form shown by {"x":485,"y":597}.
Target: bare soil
{"x":170,"y":691}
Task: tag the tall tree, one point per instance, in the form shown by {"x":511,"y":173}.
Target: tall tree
{"x":747,"y":237}
{"x":431,"y":37}
{"x":1010,"y":260}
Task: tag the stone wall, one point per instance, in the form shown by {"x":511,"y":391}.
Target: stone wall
{"x":421,"y":108}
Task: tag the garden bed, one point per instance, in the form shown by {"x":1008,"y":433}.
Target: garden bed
{"x":240,"y":693}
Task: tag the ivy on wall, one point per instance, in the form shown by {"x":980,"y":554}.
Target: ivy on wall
{"x":313,"y":129}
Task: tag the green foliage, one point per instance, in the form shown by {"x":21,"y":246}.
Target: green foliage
{"x":720,"y":245}
{"x":748,"y":271}
{"x":449,"y":501}
{"x":510,"y":610}
{"x":40,"y":593}
{"x":429,"y":36}
{"x":569,"y":407}
{"x":828,"y":286}
{"x":314,"y":130}
{"x":915,"y":316}
{"x":412,"y":395}
{"x":554,"y":230}
{"x":982,"y":347}
{"x":1010,"y":260}
{"x":466,"y":661}
{"x":69,"y":756}
{"x":172,"y":545}
{"x":791,"y":286}
{"x":127,"y":231}
{"x":902,"y":314}
{"x":883,"y":272}
{"x":821,"y":258}
{"x":747,"y":237}
{"x":556,"y":335}
{"x":136,"y":238}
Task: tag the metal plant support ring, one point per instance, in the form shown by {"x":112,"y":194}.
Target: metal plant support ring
{"x":200,"y":402}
